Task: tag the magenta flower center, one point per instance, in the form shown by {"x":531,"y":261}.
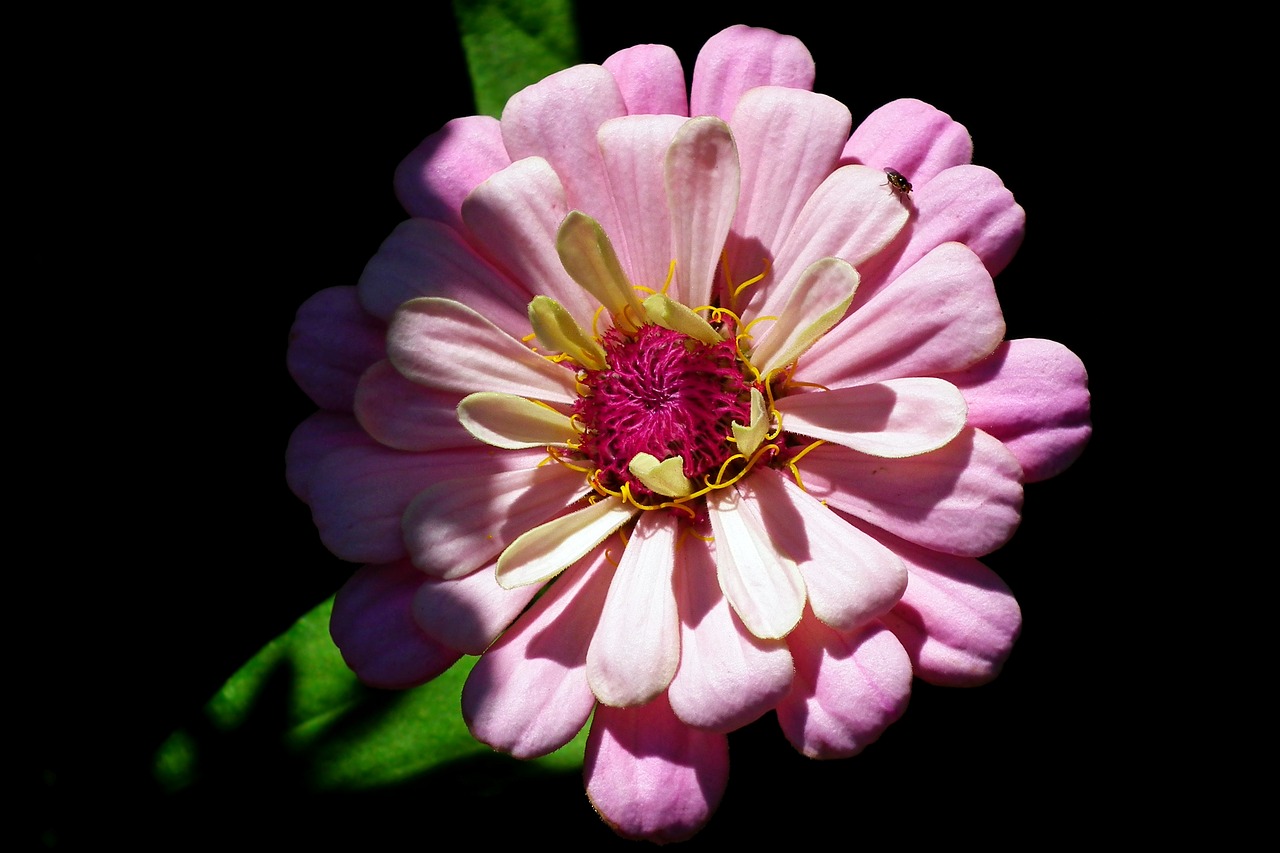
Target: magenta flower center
{"x":664,"y":394}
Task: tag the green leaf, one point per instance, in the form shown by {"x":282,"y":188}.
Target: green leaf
{"x":295,"y":716}
{"x":512,"y":43}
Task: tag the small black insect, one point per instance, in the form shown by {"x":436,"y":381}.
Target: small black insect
{"x":898,"y":181}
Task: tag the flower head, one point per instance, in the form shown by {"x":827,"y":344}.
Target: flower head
{"x":675,"y":421}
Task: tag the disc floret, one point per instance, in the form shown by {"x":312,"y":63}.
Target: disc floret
{"x":664,"y":394}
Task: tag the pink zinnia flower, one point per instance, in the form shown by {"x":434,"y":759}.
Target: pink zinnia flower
{"x":731,"y":392}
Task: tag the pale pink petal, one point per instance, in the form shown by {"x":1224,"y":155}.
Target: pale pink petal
{"x":528,"y":694}
{"x":426,"y":258}
{"x":702,"y":190}
{"x":849,"y":217}
{"x":372,"y":626}
{"x":813,"y":306}
{"x":652,"y":777}
{"x":542,"y":552}
{"x":587,"y":255}
{"x":764,"y":586}
{"x":964,"y":204}
{"x":910,"y":137}
{"x":511,"y":423}
{"x":965,"y":498}
{"x":468,"y":613}
{"x":445,"y":346}
{"x":957,"y":620}
{"x":314,"y":439}
{"x":651,"y":80}
{"x":454,"y":526}
{"x":433,"y":180}
{"x":740,"y":58}
{"x":939,"y":316}
{"x":636,"y":647}
{"x":332,"y":341}
{"x":358,"y":495}
{"x":634,"y":150}
{"x":850,"y":577}
{"x":727,"y":677}
{"x":358,"y":492}
{"x":1033,"y":395}
{"x":556,"y":119}
{"x":894,"y":418}
{"x":788,"y":142}
{"x":405,"y":415}
{"x":848,"y":688}
{"x":514,"y":217}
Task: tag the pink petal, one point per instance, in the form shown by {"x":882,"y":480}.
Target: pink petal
{"x":372,"y":626}
{"x":702,"y":189}
{"x":515,"y":217}
{"x":331,"y":343}
{"x":763,"y":585}
{"x":651,"y":80}
{"x":446,"y":346}
{"x":964,"y":204}
{"x":848,"y":688}
{"x":740,"y":58}
{"x":528,"y":694}
{"x":850,"y":577}
{"x":406,"y":416}
{"x":634,"y":150}
{"x":1033,"y":395}
{"x":313,"y":440}
{"x":965,"y":498}
{"x":958,"y":620}
{"x":893,"y":419}
{"x":850,"y":216}
{"x":538,"y":555}
{"x":727,"y":677}
{"x":470,"y":612}
{"x":788,"y":141}
{"x":636,"y":647}
{"x":433,"y":180}
{"x":359,"y":493}
{"x":939,"y":316}
{"x":426,"y":258}
{"x":652,"y":777}
{"x":910,"y":137}
{"x":454,"y":526}
{"x":556,"y":119}
{"x":815,"y":303}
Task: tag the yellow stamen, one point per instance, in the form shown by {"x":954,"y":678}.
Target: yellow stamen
{"x":791,"y":463}
{"x":728,"y":277}
{"x":792,"y":382}
{"x":747,"y":330}
{"x":751,"y":281}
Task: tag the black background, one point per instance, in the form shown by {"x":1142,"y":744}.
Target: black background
{"x":256,"y":158}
